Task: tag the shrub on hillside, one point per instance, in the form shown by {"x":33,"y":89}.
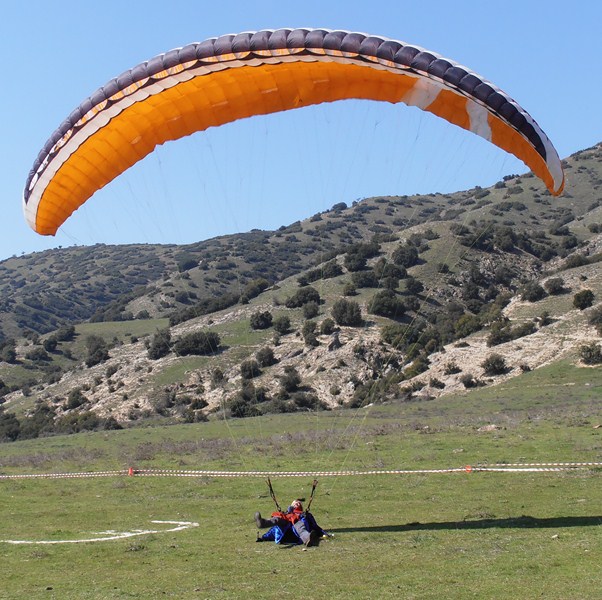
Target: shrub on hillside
{"x":37,"y":355}
{"x":160,"y":345}
{"x":327,"y":326}
{"x":364,"y":279}
{"x":413,"y":286}
{"x":451,"y":368}
{"x":591,"y":354}
{"x":555,"y":286}
{"x":10,"y":427}
{"x":311,"y":310}
{"x":494,"y":364}
{"x":532,"y":292}
{"x":265,"y":357}
{"x":328,"y":270}
{"x":282,"y":324}
{"x":198,"y":343}
{"x":309,"y":333}
{"x":290,"y":381}
{"x":75,"y":399}
{"x":575,"y":260}
{"x":50,"y":343}
{"x":468,"y":381}
{"x":405,"y":255}
{"x":583,"y":299}
{"x":595,"y":318}
{"x":66,"y":333}
{"x":97,"y":350}
{"x":250,"y":369}
{"x":261,"y":319}
{"x":502,"y":332}
{"x":303,"y":296}
{"x":253,"y":289}
{"x":347,"y":312}
{"x":7,"y":352}
{"x":387,"y":304}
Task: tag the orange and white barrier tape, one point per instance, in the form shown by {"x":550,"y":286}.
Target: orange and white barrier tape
{"x":498,"y":468}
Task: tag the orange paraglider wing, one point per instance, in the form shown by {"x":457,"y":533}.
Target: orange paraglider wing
{"x":236,"y":76}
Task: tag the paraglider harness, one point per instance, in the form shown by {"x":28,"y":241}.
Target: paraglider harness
{"x":285,"y":532}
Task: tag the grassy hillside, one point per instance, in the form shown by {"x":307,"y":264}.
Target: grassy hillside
{"x":433,"y":287}
{"x":41,"y":291}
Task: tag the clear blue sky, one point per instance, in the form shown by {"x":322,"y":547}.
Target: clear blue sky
{"x":544,"y":53}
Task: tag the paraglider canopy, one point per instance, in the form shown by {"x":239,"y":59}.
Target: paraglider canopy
{"x":232,"y":77}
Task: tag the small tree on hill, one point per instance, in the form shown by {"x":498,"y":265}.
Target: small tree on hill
{"x":405,"y":255}
{"x":290,"y":381}
{"x":386,"y":304}
{"x":347,"y":312}
{"x":97,"y":350}
{"x":532,"y":292}
{"x":282,"y":324}
{"x":250,"y":369}
{"x":311,"y":310}
{"x":265,"y":357}
{"x":261,"y":320}
{"x":309,"y":333}
{"x":494,"y":364}
{"x":10,"y":427}
{"x":583,"y":299}
{"x":591,"y":354}
{"x":555,"y":286}
{"x":160,"y":345}
{"x":199,"y":342}
{"x":303,"y":296}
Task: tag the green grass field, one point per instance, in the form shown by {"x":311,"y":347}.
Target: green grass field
{"x":460,"y":535}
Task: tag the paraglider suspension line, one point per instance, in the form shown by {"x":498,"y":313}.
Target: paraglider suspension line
{"x":273,"y":495}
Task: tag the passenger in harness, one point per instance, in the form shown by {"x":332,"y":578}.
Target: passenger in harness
{"x":295,"y":526}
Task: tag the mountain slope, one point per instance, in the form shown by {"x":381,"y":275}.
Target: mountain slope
{"x":435,"y":277}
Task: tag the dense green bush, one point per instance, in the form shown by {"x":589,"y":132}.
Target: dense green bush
{"x":328,"y":270}
{"x":583,"y":299}
{"x":265,"y":357}
{"x":10,"y":427}
{"x":282,"y":324}
{"x":253,"y":289}
{"x":309,"y":333}
{"x":591,"y":354}
{"x":532,"y":292}
{"x":364,"y":279}
{"x":386,"y":303}
{"x":290,"y":381}
{"x":65,"y":333}
{"x":347,"y":312}
{"x":37,"y":355}
{"x":503,"y":331}
{"x":327,"y":327}
{"x":405,"y":255}
{"x":50,"y":343}
{"x":160,"y":345}
{"x":555,"y":286}
{"x":261,"y":320}
{"x":494,"y":364}
{"x":97,"y":350}
{"x":303,"y":296}
{"x":250,"y":369}
{"x":199,"y":342}
{"x":311,"y":310}
{"x":75,"y":399}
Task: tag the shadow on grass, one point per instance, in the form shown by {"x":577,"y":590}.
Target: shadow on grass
{"x":523,"y":522}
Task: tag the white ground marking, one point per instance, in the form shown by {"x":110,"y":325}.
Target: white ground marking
{"x":112,"y":535}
